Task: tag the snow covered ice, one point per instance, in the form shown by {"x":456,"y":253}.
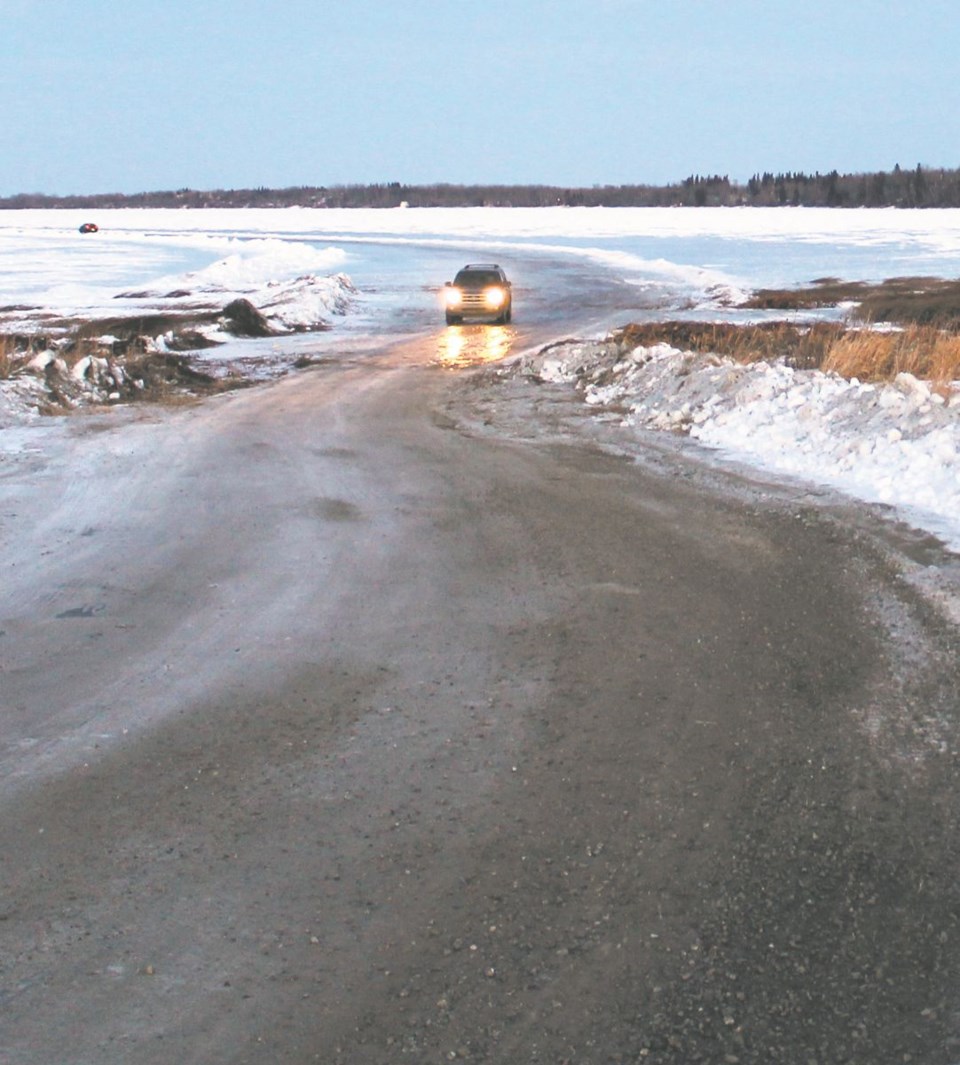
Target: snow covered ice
{"x":896,"y":444}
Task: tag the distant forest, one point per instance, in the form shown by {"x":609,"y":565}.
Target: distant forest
{"x":920,"y":187}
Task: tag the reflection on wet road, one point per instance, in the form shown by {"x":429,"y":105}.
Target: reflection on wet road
{"x":459,"y":346}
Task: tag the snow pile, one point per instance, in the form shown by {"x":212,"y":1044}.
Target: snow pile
{"x":285,"y":280}
{"x":300,"y":305}
{"x":252,"y":264}
{"x":21,"y":401}
{"x":304,"y":303}
{"x":896,"y":444}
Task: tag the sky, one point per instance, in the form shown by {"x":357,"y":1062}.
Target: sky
{"x":146,"y":95}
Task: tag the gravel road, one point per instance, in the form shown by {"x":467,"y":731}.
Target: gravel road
{"x":380,"y":714}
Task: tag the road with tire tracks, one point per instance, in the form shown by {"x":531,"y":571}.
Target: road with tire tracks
{"x":384,"y":713}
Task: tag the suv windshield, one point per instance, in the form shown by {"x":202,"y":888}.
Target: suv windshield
{"x":477,"y":277}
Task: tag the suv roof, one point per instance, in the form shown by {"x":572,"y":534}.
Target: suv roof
{"x":481,"y":274}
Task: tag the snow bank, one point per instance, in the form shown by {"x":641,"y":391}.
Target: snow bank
{"x":255,"y":263}
{"x":896,"y":444}
{"x":288,"y":280}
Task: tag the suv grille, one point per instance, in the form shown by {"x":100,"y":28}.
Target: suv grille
{"x":473,"y":298}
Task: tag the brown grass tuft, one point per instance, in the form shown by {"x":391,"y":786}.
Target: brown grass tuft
{"x":7,"y":361}
{"x":925,"y":351}
{"x":803,"y":347}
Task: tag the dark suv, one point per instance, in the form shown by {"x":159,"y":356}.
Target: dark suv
{"x":480,"y":290}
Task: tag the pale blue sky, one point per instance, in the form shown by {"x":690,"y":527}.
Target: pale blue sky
{"x":141,"y":95}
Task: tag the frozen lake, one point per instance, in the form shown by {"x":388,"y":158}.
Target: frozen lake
{"x":679,"y":259}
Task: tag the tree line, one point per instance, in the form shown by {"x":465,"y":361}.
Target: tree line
{"x":918,"y":187}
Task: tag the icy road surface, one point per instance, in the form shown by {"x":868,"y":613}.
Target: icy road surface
{"x":355,"y":719}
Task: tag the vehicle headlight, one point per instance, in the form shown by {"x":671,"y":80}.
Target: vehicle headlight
{"x":452,"y":296}
{"x":494,"y":297}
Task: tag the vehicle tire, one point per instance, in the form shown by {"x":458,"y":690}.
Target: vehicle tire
{"x":454,"y":319}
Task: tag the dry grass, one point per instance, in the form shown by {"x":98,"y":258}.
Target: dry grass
{"x":824,"y":292}
{"x":926,"y":343}
{"x":898,"y":300}
{"x":913,"y":301}
{"x":7,"y":359}
{"x":803,"y":347}
{"x":926,"y":351}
